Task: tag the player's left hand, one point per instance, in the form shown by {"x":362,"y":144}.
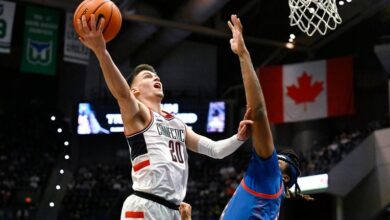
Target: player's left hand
{"x":185,"y":211}
{"x":237,"y":43}
{"x":244,"y":130}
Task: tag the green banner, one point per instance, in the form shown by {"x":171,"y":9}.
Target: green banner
{"x":40,"y":40}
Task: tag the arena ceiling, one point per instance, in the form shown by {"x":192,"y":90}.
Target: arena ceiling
{"x":153,"y":28}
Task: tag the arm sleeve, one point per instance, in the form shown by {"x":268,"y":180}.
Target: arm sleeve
{"x":218,"y":149}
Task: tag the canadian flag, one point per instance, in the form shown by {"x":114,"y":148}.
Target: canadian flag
{"x":308,"y":90}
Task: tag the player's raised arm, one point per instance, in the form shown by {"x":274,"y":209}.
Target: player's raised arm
{"x":93,"y":39}
{"x":261,"y":132}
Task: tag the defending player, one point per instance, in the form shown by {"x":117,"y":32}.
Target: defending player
{"x":158,"y":141}
{"x":268,"y":176}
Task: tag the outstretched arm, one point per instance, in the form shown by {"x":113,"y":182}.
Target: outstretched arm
{"x":261,"y":132}
{"x":93,"y":39}
{"x":222,"y":148}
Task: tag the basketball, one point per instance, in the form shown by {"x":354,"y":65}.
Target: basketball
{"x":102,"y":9}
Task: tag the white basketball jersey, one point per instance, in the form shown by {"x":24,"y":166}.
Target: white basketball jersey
{"x":159,"y":158}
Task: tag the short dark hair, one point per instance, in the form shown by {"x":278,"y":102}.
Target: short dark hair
{"x":137,"y":70}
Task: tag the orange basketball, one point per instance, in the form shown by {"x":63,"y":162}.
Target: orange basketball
{"x":102,"y":9}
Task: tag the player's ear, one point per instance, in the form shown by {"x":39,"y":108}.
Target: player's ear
{"x":134,"y":91}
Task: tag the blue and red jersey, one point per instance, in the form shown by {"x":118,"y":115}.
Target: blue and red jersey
{"x":260,"y":192}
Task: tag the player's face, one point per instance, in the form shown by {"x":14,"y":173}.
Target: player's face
{"x":283,"y":169}
{"x":148,"y":84}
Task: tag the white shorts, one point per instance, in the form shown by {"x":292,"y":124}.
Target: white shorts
{"x":137,"y":208}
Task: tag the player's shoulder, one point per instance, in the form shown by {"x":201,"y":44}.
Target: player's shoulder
{"x":273,"y":157}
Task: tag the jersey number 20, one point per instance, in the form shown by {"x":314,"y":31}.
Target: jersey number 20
{"x":176,"y":153}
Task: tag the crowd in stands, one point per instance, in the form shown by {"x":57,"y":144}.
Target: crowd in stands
{"x":95,"y":191}
{"x":322,"y":158}
{"x":27,"y":153}
{"x":210,"y":187}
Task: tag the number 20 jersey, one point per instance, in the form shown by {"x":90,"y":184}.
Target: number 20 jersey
{"x":159,"y":158}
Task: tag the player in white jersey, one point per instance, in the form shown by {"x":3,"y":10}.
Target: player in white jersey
{"x":158,"y":141}
{"x":160,"y":167}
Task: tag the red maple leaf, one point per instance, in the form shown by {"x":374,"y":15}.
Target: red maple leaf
{"x":305,"y":91}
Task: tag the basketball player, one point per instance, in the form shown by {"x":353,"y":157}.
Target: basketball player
{"x":268,"y":176}
{"x":158,"y":141}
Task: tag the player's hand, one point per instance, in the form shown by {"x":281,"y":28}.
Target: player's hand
{"x":92,"y":36}
{"x":185,"y":211}
{"x":237,"y":43}
{"x":244,"y":130}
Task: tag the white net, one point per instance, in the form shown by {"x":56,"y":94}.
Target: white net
{"x":314,"y":15}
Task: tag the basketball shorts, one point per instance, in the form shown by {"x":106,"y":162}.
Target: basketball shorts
{"x":136,"y":208}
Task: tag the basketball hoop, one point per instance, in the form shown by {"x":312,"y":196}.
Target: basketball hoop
{"x":314,"y":15}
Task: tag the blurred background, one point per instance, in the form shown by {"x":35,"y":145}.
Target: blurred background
{"x":62,"y":151}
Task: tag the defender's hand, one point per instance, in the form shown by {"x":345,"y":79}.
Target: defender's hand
{"x":244,"y":130}
{"x":237,"y":43}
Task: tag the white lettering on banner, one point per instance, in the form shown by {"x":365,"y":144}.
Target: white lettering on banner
{"x":32,"y":23}
{"x":170,"y":107}
{"x":49,"y":26}
{"x":37,"y":17}
{"x":38,"y":24}
{"x":117,"y":129}
{"x":173,"y":108}
{"x":114,"y":119}
{"x":41,"y":31}
{"x":188,"y":118}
